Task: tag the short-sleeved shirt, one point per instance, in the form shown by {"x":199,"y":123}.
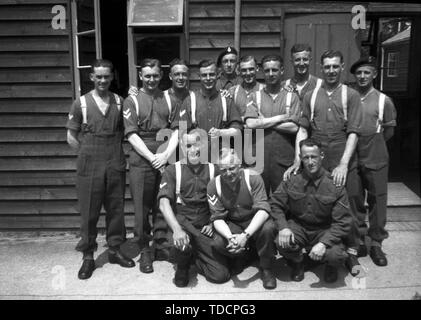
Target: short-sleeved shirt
{"x":223,"y":83}
{"x":315,"y":204}
{"x":236,"y":202}
{"x":97,"y":123}
{"x":243,"y":97}
{"x":309,"y":85}
{"x":279,"y":146}
{"x":209,"y":112}
{"x":176,"y":102}
{"x":328,"y":120}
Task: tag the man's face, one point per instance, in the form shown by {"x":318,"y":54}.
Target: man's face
{"x":365,"y":76}
{"x":229,"y":63}
{"x":332,"y":69}
{"x":311,"y":157}
{"x":150,"y":77}
{"x":230,"y":172}
{"x":179,"y":76}
{"x":301,"y":62}
{"x":208,"y":77}
{"x":248,"y":71}
{"x":101,"y":77}
{"x":192,"y":147}
{"x":273,"y":72}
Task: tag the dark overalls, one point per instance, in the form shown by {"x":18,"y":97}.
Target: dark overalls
{"x":101,"y":171}
{"x":373,"y":164}
{"x":152,"y":116}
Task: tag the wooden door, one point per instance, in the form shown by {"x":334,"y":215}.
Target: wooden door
{"x":321,"y":32}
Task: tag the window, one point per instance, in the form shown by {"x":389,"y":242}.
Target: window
{"x":155,"y":13}
{"x":392,"y":64}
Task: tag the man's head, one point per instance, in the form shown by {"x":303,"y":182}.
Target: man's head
{"x":150,"y":73}
{"x":207,"y":74}
{"x":179,"y":74}
{"x":229,"y":165}
{"x":273,"y":68}
{"x":332,"y":63}
{"x":301,"y":58}
{"x":311,"y":156}
{"x":192,"y":145}
{"x":365,"y":71}
{"x":102,"y":74}
{"x":248,"y":69}
{"x":227,"y":60}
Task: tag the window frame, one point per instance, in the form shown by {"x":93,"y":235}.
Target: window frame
{"x":179,"y":22}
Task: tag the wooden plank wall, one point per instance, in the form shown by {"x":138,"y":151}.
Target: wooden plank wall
{"x":36,"y":165}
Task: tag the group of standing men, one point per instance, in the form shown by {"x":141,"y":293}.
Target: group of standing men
{"x":324,"y":156}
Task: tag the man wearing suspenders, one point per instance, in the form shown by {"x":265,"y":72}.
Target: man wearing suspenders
{"x":210,"y":110}
{"x":332,"y":114}
{"x":144,"y":116}
{"x":227,"y":62}
{"x":379,"y":120}
{"x":101,"y":166}
{"x":240,"y":214}
{"x":302,"y":81}
{"x":183,"y":201}
{"x":277,"y":112}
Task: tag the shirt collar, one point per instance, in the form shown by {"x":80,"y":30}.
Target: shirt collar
{"x":212,"y":95}
{"x":316,"y":181}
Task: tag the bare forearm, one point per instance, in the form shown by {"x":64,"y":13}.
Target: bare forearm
{"x":256,"y":223}
{"x":302,"y":134}
{"x":264,"y":123}
{"x":230,"y":132}
{"x":172,"y":144}
{"x":287,"y":127}
{"x":72,"y":139}
{"x":166,"y":209}
{"x":351,"y":143}
{"x":222,"y":228}
{"x":140,"y":147}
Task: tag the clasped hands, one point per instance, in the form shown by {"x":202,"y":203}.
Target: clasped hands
{"x":237,"y":243}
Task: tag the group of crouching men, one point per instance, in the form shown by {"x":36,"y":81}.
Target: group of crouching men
{"x":324,"y":156}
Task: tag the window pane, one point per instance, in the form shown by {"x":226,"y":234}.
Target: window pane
{"x":86,"y":84}
{"x":87,"y":49}
{"x":156,"y":12}
{"x":85,"y":15}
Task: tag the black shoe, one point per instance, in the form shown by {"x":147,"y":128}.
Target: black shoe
{"x":331,"y":274}
{"x":269,"y":280}
{"x":118,"y":257}
{"x":378,"y":256}
{"x":181,"y":278}
{"x":145,"y":262}
{"x":86,"y":270}
{"x":353,"y":265}
{"x":297,"y":273}
{"x":362,"y":250}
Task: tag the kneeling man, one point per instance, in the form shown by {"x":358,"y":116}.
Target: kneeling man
{"x":312,"y":215}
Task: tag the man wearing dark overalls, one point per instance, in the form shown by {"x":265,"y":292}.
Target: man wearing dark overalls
{"x":379,"y":120}
{"x":183,"y":202}
{"x":240,"y":214}
{"x":101,"y":166}
{"x":227,"y":63}
{"x":332,"y":114}
{"x":277,"y":111}
{"x":144,"y":116}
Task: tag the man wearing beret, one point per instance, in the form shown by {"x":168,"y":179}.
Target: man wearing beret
{"x":379,"y":120}
{"x":227,"y":62}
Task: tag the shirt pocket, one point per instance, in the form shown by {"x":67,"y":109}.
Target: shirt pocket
{"x":297,"y":202}
{"x":323,"y":212}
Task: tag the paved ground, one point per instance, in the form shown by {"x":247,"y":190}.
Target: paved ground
{"x":46,"y":268}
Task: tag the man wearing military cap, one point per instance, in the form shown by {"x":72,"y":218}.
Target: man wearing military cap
{"x":227,"y":62}
{"x":379,"y":120}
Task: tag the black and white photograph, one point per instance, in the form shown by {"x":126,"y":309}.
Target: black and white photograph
{"x":227,"y":150}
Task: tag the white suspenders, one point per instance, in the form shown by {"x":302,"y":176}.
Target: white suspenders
{"x":246,"y":178}
{"x":344,"y":96}
{"x":178,"y":178}
{"x":382,"y":98}
{"x":193,"y":107}
{"x":259,"y":101}
{"x":84,"y":107}
{"x":167,"y":99}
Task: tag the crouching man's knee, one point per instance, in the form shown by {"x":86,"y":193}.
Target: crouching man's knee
{"x":335,"y":255}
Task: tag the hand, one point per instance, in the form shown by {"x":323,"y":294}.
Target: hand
{"x":233,"y":246}
{"x":285,"y":238}
{"x":225,"y":93}
{"x":339,"y":174}
{"x":214,"y":133}
{"x":133,"y":91}
{"x":292,"y":170}
{"x":181,"y":239}
{"x":288,"y":88}
{"x":159,"y":160}
{"x":318,"y":251}
{"x":241,"y":240}
{"x":207,"y":230}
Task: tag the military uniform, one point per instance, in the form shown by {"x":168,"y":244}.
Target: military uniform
{"x":279,"y":146}
{"x":311,"y":83}
{"x":237,"y":205}
{"x":101,"y":169}
{"x":329,"y":119}
{"x":223,"y":83}
{"x":373,"y":162}
{"x":150,"y":114}
{"x":187,"y":195}
{"x":318,"y":211}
